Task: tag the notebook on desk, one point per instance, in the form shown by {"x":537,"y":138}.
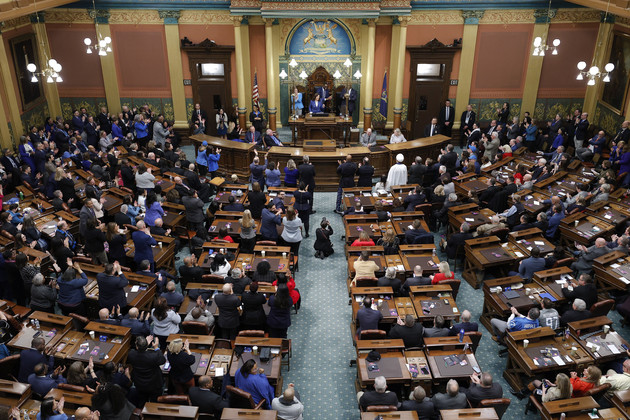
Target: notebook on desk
{"x":511,"y":294}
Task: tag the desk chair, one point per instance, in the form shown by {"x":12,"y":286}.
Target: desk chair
{"x":602,"y":308}
{"x":7,"y":235}
{"x":79,"y":321}
{"x":475,"y":337}
{"x":366,"y":282}
{"x":533,"y":405}
{"x":454,"y":283}
{"x":380,"y":408}
{"x":460,"y":254}
{"x":184,"y":235}
{"x":212,"y":278}
{"x":251,"y":333}
{"x":565,"y":262}
{"x":174,"y":399}
{"x":500,"y":405}
{"x":598,"y":392}
{"x":268,"y":243}
{"x":70,"y":387}
{"x":241,"y":399}
{"x":222,"y":343}
{"x":286,"y":350}
{"x":196,"y":328}
{"x":372,"y":335}
{"x":9,"y":367}
{"x":501,"y":233}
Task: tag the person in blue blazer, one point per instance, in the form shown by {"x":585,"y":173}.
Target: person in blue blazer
{"x":296,"y":102}
{"x":317,"y":105}
{"x":142,"y":241}
{"x":213,"y":155}
{"x":111,"y":286}
{"x":31,"y":357}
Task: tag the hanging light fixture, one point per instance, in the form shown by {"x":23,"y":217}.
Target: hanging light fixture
{"x":347,"y":63}
{"x":303,"y":75}
{"x":594,"y":72}
{"x":52,"y":68}
{"x":103,"y":45}
{"x":337,"y":74}
{"x":540,"y":44}
{"x":357,"y":75}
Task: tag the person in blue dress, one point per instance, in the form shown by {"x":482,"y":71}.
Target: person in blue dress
{"x":317,"y":105}
{"x":202,"y":159}
{"x":296,"y":103}
{"x":213,"y":155}
{"x":273,"y":175}
{"x":154,"y":209}
{"x":142,"y":130}
{"x":253,"y":380}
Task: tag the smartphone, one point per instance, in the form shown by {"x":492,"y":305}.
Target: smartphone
{"x":476,"y":369}
{"x":624,"y":347}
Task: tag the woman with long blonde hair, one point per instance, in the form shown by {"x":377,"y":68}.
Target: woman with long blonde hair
{"x":389,"y":242}
{"x":592,"y":375}
{"x":248,"y":232}
{"x":181,"y":359}
{"x":290,"y":174}
{"x":444,"y":273}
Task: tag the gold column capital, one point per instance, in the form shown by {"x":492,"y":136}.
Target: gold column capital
{"x":404,"y":20}
{"x":372,"y":22}
{"x":268,"y":22}
{"x":236,"y":20}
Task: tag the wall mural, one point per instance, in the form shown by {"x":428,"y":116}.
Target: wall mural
{"x":320,"y":37}
{"x":614,"y":93}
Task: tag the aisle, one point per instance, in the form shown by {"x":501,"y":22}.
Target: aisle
{"x":320,"y":333}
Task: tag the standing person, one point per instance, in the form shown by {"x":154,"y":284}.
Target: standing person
{"x":257,"y":170}
{"x":181,"y":359}
{"x":144,"y":178}
{"x":365,"y":172}
{"x":257,"y":200}
{"x":346,"y":171}
{"x":279,"y":318}
{"x":467,"y":121}
{"x":296,"y":103}
{"x":581,"y":130}
{"x":143,"y":242}
{"x":290,"y":174}
{"x":272,"y":174}
{"x":503,"y":114}
{"x":71,"y":293}
{"x":222,"y":124}
{"x":248,"y":232}
{"x":270,"y":219}
{"x":202,"y":159}
{"x":213,"y":155}
{"x":446,"y":118}
{"x":303,"y":199}
{"x":254,"y":317}
{"x":229,"y":311}
{"x":256,"y":118}
{"x":141,"y":125}
{"x":307,"y":176}
{"x":95,"y":242}
{"x":198,"y":120}
{"x":397,"y":174}
{"x":348,"y":95}
{"x":165,"y":321}
{"x":292,"y":232}
{"x":146,"y":373}
{"x":111,"y":286}
{"x":154,"y":209}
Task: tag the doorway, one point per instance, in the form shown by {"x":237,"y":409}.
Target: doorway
{"x":431,"y":66}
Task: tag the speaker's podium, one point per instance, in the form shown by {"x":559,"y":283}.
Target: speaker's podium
{"x":324,"y":145}
{"x":320,"y":126}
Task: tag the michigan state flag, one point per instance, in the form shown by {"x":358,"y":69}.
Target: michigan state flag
{"x":383,"y":109}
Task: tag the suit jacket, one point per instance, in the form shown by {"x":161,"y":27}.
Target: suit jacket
{"x":585,"y":262}
{"x":424,"y":409}
{"x":365,"y":172}
{"x":316,"y":108}
{"x":436,"y":130}
{"x":455,"y":241}
{"x":104,"y":122}
{"x":572,"y":316}
{"x":368,"y":140}
{"x":588,"y":293}
{"x":471,"y":120}
{"x":476,"y":393}
{"x":194,"y":209}
{"x":475,"y":135}
{"x":307,"y":175}
{"x":581,"y":130}
{"x":142,"y":243}
{"x":411,"y":336}
{"x":352,"y":97}
{"x":442,"y":116}
{"x":146,"y":373}
{"x":28,"y":359}
{"x":183,"y":190}
{"x":228,"y":312}
{"x":122,"y":219}
{"x":446,"y":402}
{"x":416,"y":173}
{"x":84,"y":215}
{"x":207,"y":401}
{"x":255,"y":138}
{"x":449,"y":160}
{"x":347,"y":170}
{"x":197,"y":117}
{"x":378,"y":398}
{"x":111,"y":290}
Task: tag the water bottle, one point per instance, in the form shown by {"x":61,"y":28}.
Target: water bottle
{"x":461,"y":335}
{"x":25,"y":415}
{"x":434,"y":252}
{"x":563,"y":416}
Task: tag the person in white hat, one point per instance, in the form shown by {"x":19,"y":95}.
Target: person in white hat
{"x":397,"y":173}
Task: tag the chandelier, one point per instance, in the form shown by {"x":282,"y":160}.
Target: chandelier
{"x":594,"y":73}
{"x":540,"y":46}
{"x":50,"y":72}
{"x":103,"y":45}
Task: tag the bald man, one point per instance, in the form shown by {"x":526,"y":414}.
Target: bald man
{"x":584,"y":264}
{"x":203,"y":397}
{"x":288,"y":405}
{"x":229,"y":312}
{"x":84,"y":413}
{"x":465,"y":324}
{"x":617,"y":381}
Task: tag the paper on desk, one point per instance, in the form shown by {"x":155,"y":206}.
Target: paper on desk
{"x":400,"y":267}
{"x":561,"y":281}
{"x":409,"y":227}
{"x":468,"y":219}
{"x":126,"y":294}
{"x":519,"y":254}
{"x":367,"y":194}
{"x":504,"y":245}
{"x":218,"y":372}
{"x":541,"y":243}
{"x":614,"y":348}
{"x":614,"y":265}
{"x":529,"y":248}
{"x":607,"y":216}
{"x":135,"y":288}
{"x":536,"y":362}
{"x":536,"y":202}
{"x":624,"y":280}
{"x":559,"y":360}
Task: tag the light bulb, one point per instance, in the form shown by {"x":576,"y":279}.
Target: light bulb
{"x":609,"y":67}
{"x":54,"y":74}
{"x":347,"y":63}
{"x":535,"y":53}
{"x":59,"y":79}
{"x":337,"y":75}
{"x":34,"y":79}
{"x":109,"y":49}
{"x":554,"y":52}
{"x":606,"y":79}
{"x":591,"y":82}
{"x":283,"y":74}
{"x":556,"y":42}
{"x":102,"y":43}
{"x":89,"y":50}
{"x":108,"y":39}
{"x":102,"y":52}
{"x":579,"y":77}
{"x":49,"y":79}
{"x":52,"y":62}
{"x":581,"y":65}
{"x":537,"y":41}
{"x":87,"y":41}
{"x":293,"y":63}
{"x":303,"y":75}
{"x":31,"y":67}
{"x":542,"y":53}
{"x":593,"y":71}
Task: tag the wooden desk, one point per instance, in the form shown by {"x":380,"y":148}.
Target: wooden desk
{"x":553,"y":279}
{"x":520,"y":361}
{"x":115,"y":344}
{"x":587,"y":229}
{"x":73,"y":399}
{"x":378,"y":259}
{"x":366,"y":346}
{"x":609,"y":212}
{"x":526,"y":239}
{"x":601,"y":347}
{"x":432,"y":290}
{"x":571,"y":407}
{"x":161,"y":411}
{"x":235,"y":156}
{"x":244,"y":413}
{"x":272,"y":367}
{"x":382,"y":302}
{"x":248,"y":262}
{"x":375,"y":230}
{"x":224,"y":196}
{"x":404,"y":307}
{"x":495,"y":305}
{"x":438,"y":355}
{"x":483,"y":253}
{"x":392,"y":366}
{"x":391,"y":415}
{"x":426,"y":146}
{"x":13,"y":393}
{"x":621,"y":400}
{"x":467,"y":413}
{"x":612,"y":272}
{"x":435,"y":306}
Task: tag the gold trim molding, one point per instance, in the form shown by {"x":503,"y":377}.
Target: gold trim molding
{"x":68,"y":16}
{"x":204,"y":17}
{"x":434,"y":18}
{"x":15,"y":23}
{"x":135,"y":17}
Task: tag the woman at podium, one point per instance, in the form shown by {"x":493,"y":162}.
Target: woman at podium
{"x":316,"y":106}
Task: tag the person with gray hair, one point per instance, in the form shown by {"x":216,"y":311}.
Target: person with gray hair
{"x":578,"y":312}
{"x":390,"y":280}
{"x":602,"y":195}
{"x":123,"y":218}
{"x":486,"y":228}
{"x":456,"y":241}
{"x":464,"y":324}
{"x":419,"y":403}
{"x":410,"y":331}
{"x":380,"y":395}
{"x":239,"y":281}
{"x":288,"y":405}
{"x":43,"y":296}
{"x":482,"y":387}
{"x":200,"y":313}
{"x":452,"y":399}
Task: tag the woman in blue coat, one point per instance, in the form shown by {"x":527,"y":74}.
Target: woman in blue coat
{"x":530,"y":135}
{"x":213,"y":155}
{"x":27,"y":151}
{"x":71,"y":293}
{"x":142,"y":130}
{"x":251,"y":379}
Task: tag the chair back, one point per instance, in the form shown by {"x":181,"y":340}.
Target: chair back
{"x":79,"y":321}
{"x":475,"y":337}
{"x":597,"y":391}
{"x":212,"y":278}
{"x":424,"y":239}
{"x":381,"y":408}
{"x":70,"y":387}
{"x":425,"y":208}
{"x":9,"y":367}
{"x":373,"y":335}
{"x":242,"y":399}
{"x":366,"y":281}
{"x":602,"y":308}
{"x":251,"y":333}
{"x":501,"y":233}
{"x":268,"y":243}
{"x":222,"y":343}
{"x":454,"y":283}
{"x":7,"y":235}
{"x":174,"y":399}
{"x":195,"y":327}
{"x":500,"y":405}
{"x":565,"y":262}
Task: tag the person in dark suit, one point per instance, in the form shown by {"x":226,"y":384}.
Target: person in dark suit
{"x":253,"y":136}
{"x":190,"y":271}
{"x":481,"y":388}
{"x":122,"y":218}
{"x":86,"y":213}
{"x":77,"y":121}
{"x":467,"y":120}
{"x":317,"y":105}
{"x":457,"y":240}
{"x":416,"y":280}
{"x":111,"y":286}
{"x":232,"y":205}
{"x":142,"y":242}
{"x":415,"y":198}
{"x":368,"y":318}
{"x":411,"y":235}
{"x":146,"y":373}
{"x":138,"y":323}
{"x":33,"y":356}
{"x":91,"y":130}
{"x":409,"y":331}
{"x":581,"y":130}
{"x":203,"y":397}
{"x":346,"y":171}
{"x":350,"y":95}
{"x":585,"y":290}
{"x":446,"y":118}
{"x":449,"y":157}
{"x":380,"y":395}
{"x":452,"y":399}
{"x":104,"y":121}
{"x":306,"y":172}
{"x":229,"y":311}
{"x":11,"y":166}
{"x":623,"y":134}
{"x":390,"y":280}
{"x":199,"y":118}
{"x":365,"y":172}
{"x":417,"y":171}
{"x":474,"y":134}
{"x":432,"y":129}
{"x":303,"y":200}
{"x":40,"y":159}
{"x":183,"y":189}
{"x":578,"y":312}
{"x":465,"y":324}
{"x":194,"y":211}
{"x":420,"y":403}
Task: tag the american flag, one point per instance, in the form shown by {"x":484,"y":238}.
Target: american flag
{"x":255,"y":90}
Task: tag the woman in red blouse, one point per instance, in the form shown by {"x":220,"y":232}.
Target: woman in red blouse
{"x":223,"y":234}
{"x":364,"y":240}
{"x":445,"y":273}
{"x":293,"y":292}
{"x":592,"y":374}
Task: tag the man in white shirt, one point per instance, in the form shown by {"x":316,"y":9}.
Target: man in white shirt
{"x":397,"y":173}
{"x":617,"y":381}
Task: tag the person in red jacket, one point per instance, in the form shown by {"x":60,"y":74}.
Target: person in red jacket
{"x":591,"y":377}
{"x":445,"y":273}
{"x":364,"y":240}
{"x":293,"y":292}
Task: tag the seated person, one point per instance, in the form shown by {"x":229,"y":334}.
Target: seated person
{"x":364,"y":267}
{"x":410,"y":332}
{"x":139,"y":323}
{"x":41,"y":382}
{"x":482,"y":388}
{"x":250,"y":378}
{"x":105,"y":317}
{"x":232,"y":205}
{"x":200,"y":313}
{"x":390,"y":280}
{"x":578,"y":312}
{"x":464,"y":324}
{"x":438,"y":329}
{"x":380,"y":395}
{"x":516,"y":322}
{"x":590,"y":378}
{"x":420,"y":403}
{"x":239,"y":281}
{"x":457,"y":240}
{"x":288,"y":405}
{"x":452,"y":399}
{"x":316,"y":106}
{"x":549,"y":316}
{"x":416,"y":280}
{"x":223,"y":235}
{"x":411,"y":235}
{"x":173,"y":297}
{"x":203,"y":397}
{"x":368,"y":318}
{"x":363,"y":240}
{"x":445,"y":273}
{"x":617,"y":381}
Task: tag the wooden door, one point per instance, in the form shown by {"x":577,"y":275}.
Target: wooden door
{"x":430,"y":69}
